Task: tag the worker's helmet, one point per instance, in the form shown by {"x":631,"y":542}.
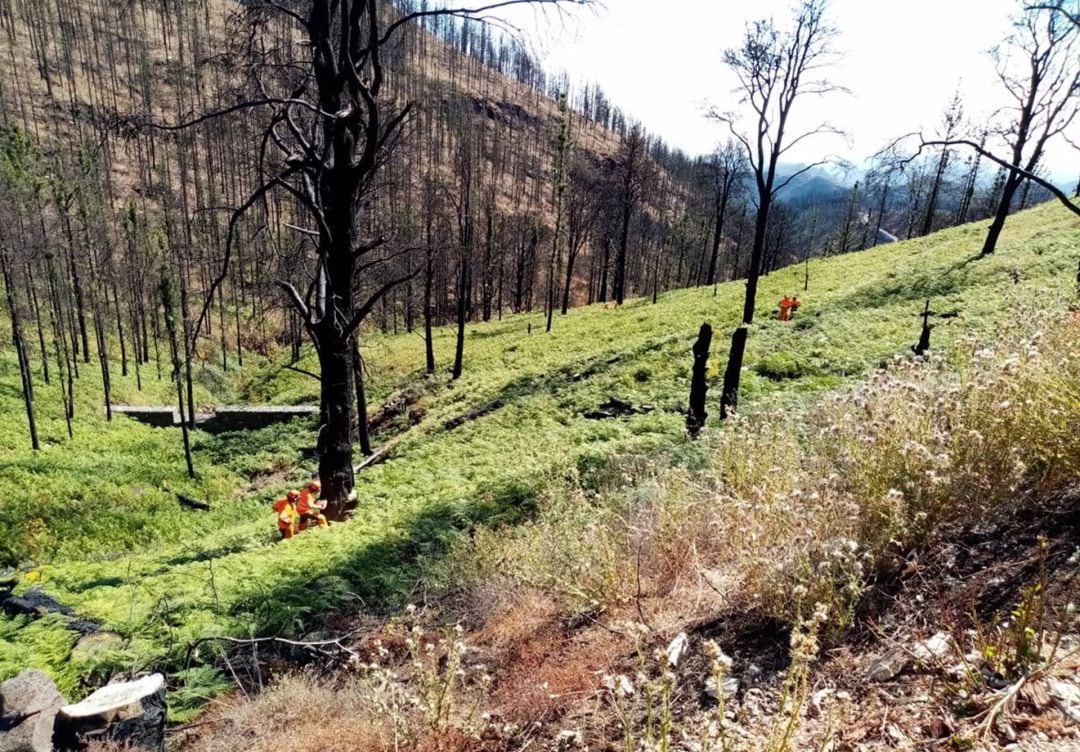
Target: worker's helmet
{"x":315,"y":485}
{"x":293,"y":495}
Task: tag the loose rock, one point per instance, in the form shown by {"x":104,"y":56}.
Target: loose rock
{"x":1067,"y":697}
{"x":935,"y":648}
{"x":730,"y":687}
{"x":676,"y":651}
{"x":28,"y":705}
{"x":889,"y":665}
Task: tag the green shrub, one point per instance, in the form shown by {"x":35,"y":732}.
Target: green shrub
{"x":783,"y":365}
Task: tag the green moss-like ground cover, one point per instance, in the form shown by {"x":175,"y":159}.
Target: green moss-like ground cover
{"x":91,"y":520}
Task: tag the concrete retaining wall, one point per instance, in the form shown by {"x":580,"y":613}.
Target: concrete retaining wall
{"x":235,"y":418}
{"x":227,"y":418}
{"x":153,"y":416}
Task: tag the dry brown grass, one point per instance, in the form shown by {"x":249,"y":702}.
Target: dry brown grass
{"x":298,"y":713}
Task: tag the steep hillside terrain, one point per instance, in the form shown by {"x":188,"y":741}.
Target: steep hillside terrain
{"x":539,"y":429}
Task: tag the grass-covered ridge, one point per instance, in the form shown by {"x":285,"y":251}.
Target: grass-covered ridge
{"x":160,"y":576}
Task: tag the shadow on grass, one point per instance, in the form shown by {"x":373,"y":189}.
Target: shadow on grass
{"x":585,"y":368}
{"x":917,"y":287}
{"x":236,"y":449}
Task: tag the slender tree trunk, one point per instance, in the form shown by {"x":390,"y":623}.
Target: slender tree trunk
{"x":168,"y":300}
{"x":760,"y":231}
{"x":721,"y":211}
{"x":361,"y":399}
{"x":619,"y":286}
{"x":603,"y":286}
{"x":40,"y":322}
{"x":729,"y":399}
{"x":462,"y":309}
{"x":935,"y":189}
{"x":20,"y":350}
{"x":429,"y":278}
{"x":1012,"y":183}
{"x":570,"y":259}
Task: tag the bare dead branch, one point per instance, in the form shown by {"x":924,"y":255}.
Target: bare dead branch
{"x":365,"y":309}
{"x":1028,"y":174}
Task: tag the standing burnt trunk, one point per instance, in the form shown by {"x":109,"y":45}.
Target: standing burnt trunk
{"x":168,"y":301}
{"x":462,"y":311}
{"x":729,"y":398}
{"x":699,"y":387}
{"x":429,"y":277}
{"x":20,"y":350}
{"x":361,"y":400}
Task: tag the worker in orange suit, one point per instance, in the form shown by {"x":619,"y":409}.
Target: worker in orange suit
{"x":309,"y":508}
{"x":785,"y":308}
{"x":288,"y":518}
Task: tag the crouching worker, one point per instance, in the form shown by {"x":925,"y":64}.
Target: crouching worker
{"x":288,"y":517}
{"x":785,"y":308}
{"x":309,"y":508}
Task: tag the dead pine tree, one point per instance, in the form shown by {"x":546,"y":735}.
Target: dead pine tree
{"x":699,"y":386}
{"x":775,"y":67}
{"x":19,"y":341}
{"x":1037,"y":66}
{"x":330,"y":128}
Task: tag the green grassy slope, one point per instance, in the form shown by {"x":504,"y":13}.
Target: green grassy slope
{"x":120,"y":551}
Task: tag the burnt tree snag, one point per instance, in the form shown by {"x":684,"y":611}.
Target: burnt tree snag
{"x":699,"y":386}
{"x":729,"y":398}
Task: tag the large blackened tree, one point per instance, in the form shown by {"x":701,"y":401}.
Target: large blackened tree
{"x":775,"y":67}
{"x":333,"y":124}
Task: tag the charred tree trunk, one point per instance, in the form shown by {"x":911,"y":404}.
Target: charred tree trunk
{"x":699,"y":386}
{"x":462,"y":311}
{"x":1012,"y":184}
{"x":19,"y":342}
{"x":429,"y":278}
{"x":602,"y":287}
{"x":168,"y":300}
{"x":618,"y":287}
{"x":729,"y":399}
{"x":361,"y":400}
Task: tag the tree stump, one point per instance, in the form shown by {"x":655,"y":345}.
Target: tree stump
{"x":130,"y":713}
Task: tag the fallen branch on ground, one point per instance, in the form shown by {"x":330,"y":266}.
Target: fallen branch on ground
{"x":379,"y":455}
{"x":329,"y":648}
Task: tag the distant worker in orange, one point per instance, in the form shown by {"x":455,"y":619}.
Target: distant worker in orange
{"x":795,"y":303}
{"x":785,"y":308}
{"x":288,"y":518}
{"x":309,"y":508}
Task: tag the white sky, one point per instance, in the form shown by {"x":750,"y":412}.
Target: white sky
{"x":660,"y":61}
